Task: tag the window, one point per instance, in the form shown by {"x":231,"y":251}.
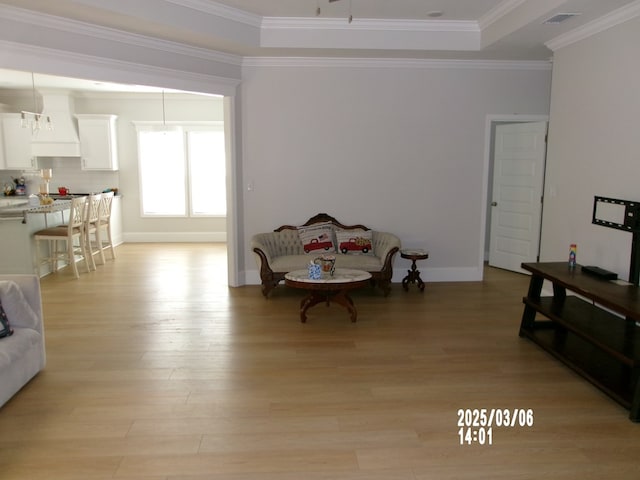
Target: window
{"x":206,"y":172}
{"x":182,"y":171}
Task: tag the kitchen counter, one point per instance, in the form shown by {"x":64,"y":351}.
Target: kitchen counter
{"x":8,"y":201}
{"x":20,"y":210}
{"x":18,"y":222}
{"x":13,"y":207}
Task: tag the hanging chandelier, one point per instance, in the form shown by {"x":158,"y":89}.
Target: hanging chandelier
{"x":35,"y":121}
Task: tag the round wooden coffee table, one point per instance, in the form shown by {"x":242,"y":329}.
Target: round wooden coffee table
{"x":328,"y":288}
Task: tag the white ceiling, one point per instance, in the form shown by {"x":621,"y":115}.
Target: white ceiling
{"x":465,"y":30}
{"x":394,"y":9}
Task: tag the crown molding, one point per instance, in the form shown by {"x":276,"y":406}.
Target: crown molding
{"x":289,"y":30}
{"x":310,"y":23}
{"x":41,"y":20}
{"x":499,"y":11}
{"x":220,"y":10}
{"x":182,"y":96}
{"x":394,"y":63}
{"x":380,"y":34}
{"x":617,"y":17}
{"x":237,"y":15}
{"x":59,"y":62}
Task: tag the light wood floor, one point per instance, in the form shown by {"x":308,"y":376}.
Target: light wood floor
{"x":157,"y":370}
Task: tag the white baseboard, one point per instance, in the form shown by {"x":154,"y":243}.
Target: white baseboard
{"x":452,"y":274}
{"x":175,"y":237}
{"x":455,"y":274}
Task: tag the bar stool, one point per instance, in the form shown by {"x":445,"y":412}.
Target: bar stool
{"x":69,"y":233}
{"x":92,"y":216}
{"x":104,"y":226}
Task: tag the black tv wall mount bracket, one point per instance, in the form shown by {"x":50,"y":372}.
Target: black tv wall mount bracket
{"x":630,"y":222}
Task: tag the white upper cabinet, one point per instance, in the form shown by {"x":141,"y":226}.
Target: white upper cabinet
{"x":15,"y":141}
{"x":98,"y":145}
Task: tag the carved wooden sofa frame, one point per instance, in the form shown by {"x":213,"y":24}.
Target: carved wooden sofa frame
{"x":385,"y":246}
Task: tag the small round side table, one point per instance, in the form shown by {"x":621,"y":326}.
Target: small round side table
{"x":413,"y":275}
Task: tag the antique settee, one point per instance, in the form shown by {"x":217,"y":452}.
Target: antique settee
{"x":354,"y":246}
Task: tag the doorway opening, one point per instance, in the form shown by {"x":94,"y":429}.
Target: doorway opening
{"x":141,"y":84}
{"x":512,"y":215}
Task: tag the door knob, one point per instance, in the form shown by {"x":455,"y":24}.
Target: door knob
{"x":494,"y":204}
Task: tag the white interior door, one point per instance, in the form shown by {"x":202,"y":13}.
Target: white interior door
{"x":516,"y":207}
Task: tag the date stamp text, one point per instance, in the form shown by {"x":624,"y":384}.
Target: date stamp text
{"x":476,"y":425}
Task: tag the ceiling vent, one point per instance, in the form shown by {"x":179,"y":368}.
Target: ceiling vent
{"x":559,"y":18}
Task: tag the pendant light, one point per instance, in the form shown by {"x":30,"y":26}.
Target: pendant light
{"x":34,"y":120}
{"x":164,"y":127}
{"x":164,"y":115}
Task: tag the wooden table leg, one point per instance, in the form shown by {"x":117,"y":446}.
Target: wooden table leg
{"x":634,"y":411}
{"x":309,"y":301}
{"x":529,"y":313}
{"x":340,"y":297}
{"x":413,"y":276}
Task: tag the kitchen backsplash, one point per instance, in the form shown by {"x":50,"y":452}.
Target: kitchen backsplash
{"x":67,"y":172}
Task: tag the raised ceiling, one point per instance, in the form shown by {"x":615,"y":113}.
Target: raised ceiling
{"x":477,"y":29}
{"x":502,"y":30}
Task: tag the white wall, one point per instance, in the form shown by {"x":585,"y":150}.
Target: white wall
{"x":396,"y":145}
{"x":594,"y":145}
{"x":398,"y":149}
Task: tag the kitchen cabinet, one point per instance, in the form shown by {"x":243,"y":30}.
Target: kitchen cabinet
{"x":98,"y":145}
{"x":16,"y":144}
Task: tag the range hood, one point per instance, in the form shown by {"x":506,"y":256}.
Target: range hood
{"x":63,"y":140}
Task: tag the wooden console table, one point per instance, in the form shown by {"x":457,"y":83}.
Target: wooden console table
{"x":601,"y":346}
